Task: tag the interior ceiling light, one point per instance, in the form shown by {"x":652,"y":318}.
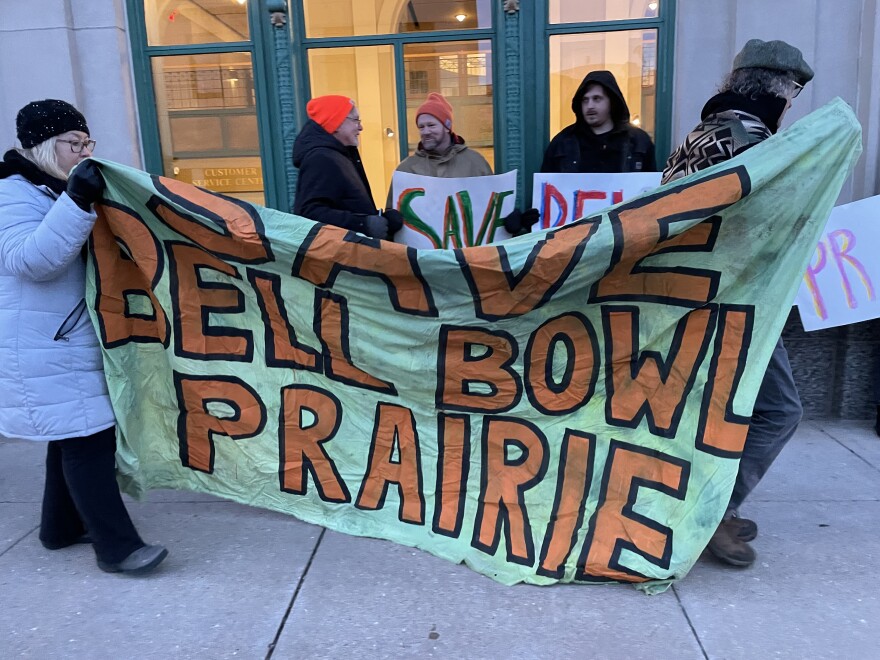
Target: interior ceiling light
{"x":460,"y":17}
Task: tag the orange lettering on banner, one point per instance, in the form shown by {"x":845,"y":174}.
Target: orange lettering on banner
{"x":460,"y":371}
{"x":193,"y":299}
{"x":453,"y":453}
{"x":645,"y":384}
{"x":329,"y":250}
{"x":332,"y":330}
{"x":578,"y":381}
{"x":504,"y":482}
{"x":282,"y":347}
{"x":241,"y":237}
{"x":615,"y":525}
{"x":641,"y":228}
{"x":120,"y":277}
{"x":301,"y":443}
{"x":721,"y":432}
{"x":395,"y":425}
{"x":572,"y":488}
{"x":499,"y":293}
{"x":197,"y":426}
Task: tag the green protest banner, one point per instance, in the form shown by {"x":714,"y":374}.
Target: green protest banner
{"x":568,"y":405}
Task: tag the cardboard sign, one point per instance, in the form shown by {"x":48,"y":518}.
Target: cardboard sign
{"x":453,"y":213}
{"x":840,"y":285}
{"x":564,"y":198}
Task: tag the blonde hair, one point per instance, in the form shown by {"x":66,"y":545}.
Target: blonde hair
{"x":43,"y":156}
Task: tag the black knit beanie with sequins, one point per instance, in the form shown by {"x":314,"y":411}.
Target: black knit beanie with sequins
{"x":38,"y":121}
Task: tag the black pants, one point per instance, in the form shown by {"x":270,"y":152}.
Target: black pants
{"x":81,"y":495}
{"x":775,"y":418}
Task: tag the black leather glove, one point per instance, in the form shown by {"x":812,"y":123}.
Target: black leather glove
{"x":520,"y":222}
{"x":86,"y":185}
{"x":376,"y":226}
{"x":528,"y":218}
{"x":513,"y":222}
{"x":395,"y":220}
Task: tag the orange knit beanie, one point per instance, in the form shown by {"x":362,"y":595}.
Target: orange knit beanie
{"x":438,"y":107}
{"x":329,"y":111}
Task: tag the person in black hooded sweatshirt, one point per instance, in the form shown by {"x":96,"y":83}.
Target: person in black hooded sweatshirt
{"x":748,"y":109}
{"x":602,"y":139}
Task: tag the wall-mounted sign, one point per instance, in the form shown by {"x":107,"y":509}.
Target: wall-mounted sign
{"x":223,"y":179}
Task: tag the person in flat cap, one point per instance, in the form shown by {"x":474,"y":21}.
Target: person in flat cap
{"x":442,"y":153}
{"x":52,"y":383}
{"x":748,"y":108}
{"x":332,"y":186}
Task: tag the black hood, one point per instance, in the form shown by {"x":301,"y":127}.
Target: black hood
{"x":311,"y":137}
{"x":619,"y":109}
{"x":766,"y":107}
{"x":14,"y":163}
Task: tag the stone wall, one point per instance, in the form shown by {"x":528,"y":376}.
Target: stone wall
{"x":834,"y":368}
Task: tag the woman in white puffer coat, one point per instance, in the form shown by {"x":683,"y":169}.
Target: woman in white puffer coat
{"x":52,"y":385}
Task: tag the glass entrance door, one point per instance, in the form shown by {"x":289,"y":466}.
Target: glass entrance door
{"x":585,"y":36}
{"x":425,"y":46}
{"x":367,"y":75}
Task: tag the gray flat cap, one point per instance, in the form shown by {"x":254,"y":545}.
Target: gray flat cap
{"x":776,"y":55}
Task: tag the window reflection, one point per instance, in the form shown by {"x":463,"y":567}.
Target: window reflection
{"x":346,"y":18}
{"x":207,"y":122}
{"x":172,"y":22}
{"x":630,"y":55}
{"x":462,"y":72}
{"x":583,"y":11}
{"x":365,"y":74}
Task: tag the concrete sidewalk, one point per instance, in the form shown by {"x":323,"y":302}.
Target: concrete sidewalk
{"x":248,"y":583}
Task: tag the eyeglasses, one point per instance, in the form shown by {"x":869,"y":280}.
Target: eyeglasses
{"x":356,"y":120}
{"x":76,"y":146}
{"x":797,"y":89}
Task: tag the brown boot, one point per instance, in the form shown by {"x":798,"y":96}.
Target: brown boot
{"x":728,"y":548}
{"x":742,"y":528}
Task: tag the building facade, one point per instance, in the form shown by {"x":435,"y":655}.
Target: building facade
{"x":213,"y":92}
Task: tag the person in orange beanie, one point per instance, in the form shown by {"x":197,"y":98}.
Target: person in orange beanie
{"x":332,"y":187}
{"x":442,"y":153}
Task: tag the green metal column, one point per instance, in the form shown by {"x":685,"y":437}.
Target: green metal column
{"x":509,"y":115}
{"x":286,"y":76}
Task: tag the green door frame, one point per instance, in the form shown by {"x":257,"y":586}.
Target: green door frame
{"x":265,"y":89}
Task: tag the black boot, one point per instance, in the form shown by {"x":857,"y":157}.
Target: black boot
{"x":727,"y":547}
{"x":742,"y":528}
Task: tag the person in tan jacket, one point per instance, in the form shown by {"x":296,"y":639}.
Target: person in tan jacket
{"x":442,"y":153}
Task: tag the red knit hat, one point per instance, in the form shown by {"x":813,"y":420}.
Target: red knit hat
{"x":438,"y":107}
{"x":329,"y":111}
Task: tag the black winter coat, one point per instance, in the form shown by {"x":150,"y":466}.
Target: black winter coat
{"x":332,"y":186}
{"x":625,"y":148}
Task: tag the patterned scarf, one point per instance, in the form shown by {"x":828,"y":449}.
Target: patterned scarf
{"x":731,"y":124}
